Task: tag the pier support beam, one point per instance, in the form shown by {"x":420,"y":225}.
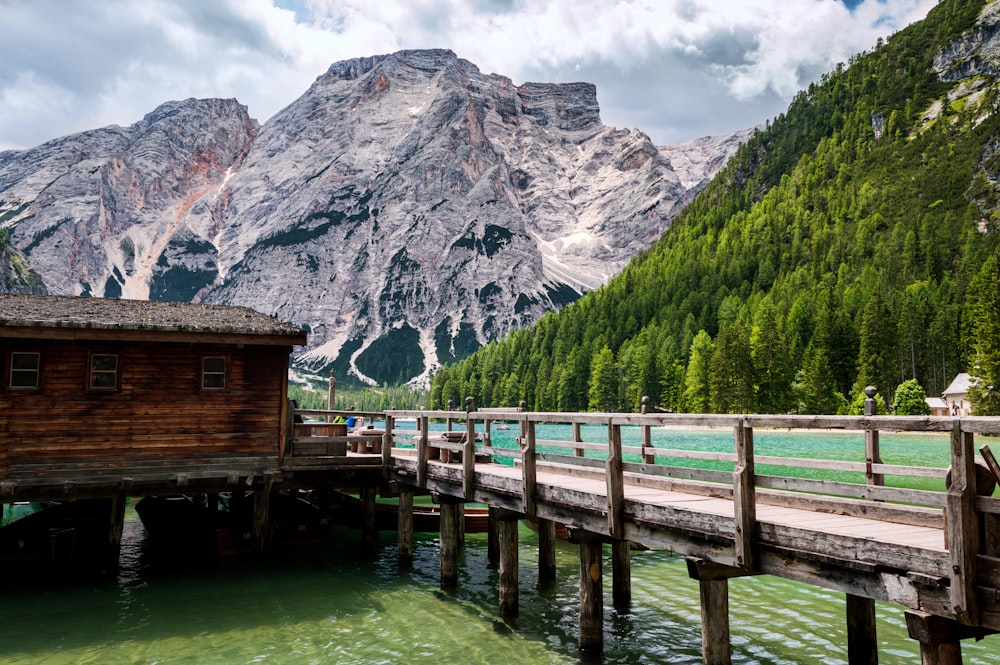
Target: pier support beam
{"x":493,"y":538}
{"x":405,"y":530}
{"x":546,"y":551}
{"x":449,"y":542}
{"x":507,"y":537}
{"x":715,"y":648}
{"x":369,"y":531}
{"x":940,"y":638}
{"x":713,"y":584}
{"x":116,"y":527}
{"x":262,"y":540}
{"x":591,"y":594}
{"x":862,"y":639}
{"x":621,"y":574}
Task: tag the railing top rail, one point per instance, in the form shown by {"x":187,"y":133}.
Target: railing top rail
{"x":975,"y":424}
{"x":339,"y":412}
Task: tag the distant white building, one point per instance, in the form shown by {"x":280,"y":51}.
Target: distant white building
{"x":956,"y":395}
{"x":938,"y":406}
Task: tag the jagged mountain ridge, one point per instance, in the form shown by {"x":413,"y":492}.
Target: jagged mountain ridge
{"x":405,"y":210}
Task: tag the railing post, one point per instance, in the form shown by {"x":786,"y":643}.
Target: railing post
{"x":387,"y":439}
{"x":744,"y":496}
{"x":963,"y":526}
{"x":647,"y":440}
{"x":422,"y":454}
{"x":616,"y":482}
{"x":872,"y":454}
{"x":527,"y":443}
{"x":469,"y":453}
{"x":577,"y":438}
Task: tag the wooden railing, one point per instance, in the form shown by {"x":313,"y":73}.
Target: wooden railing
{"x":956,"y":508}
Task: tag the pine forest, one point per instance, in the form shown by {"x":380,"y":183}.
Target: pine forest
{"x":851,"y":242}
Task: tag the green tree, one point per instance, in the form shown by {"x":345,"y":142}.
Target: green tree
{"x":983,"y":391}
{"x":603,"y":394}
{"x":771,"y":368}
{"x":814,"y":387}
{"x":698,"y":375}
{"x":910,"y":400}
{"x":731,"y":384}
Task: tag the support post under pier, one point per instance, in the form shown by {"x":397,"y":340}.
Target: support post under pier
{"x":546,"y":550}
{"x":621,"y":574}
{"x":369,"y":530}
{"x":862,"y":639}
{"x":493,"y":538}
{"x":115,"y":529}
{"x":405,"y":527}
{"x":591,"y":595}
{"x":507,"y":537}
{"x":713,"y":583}
{"x":940,"y":638}
{"x":449,"y":542}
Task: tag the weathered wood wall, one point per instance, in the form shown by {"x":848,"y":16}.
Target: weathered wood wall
{"x":160,"y":415}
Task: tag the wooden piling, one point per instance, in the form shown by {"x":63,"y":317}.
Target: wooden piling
{"x":546,"y":550}
{"x":116,"y":528}
{"x":713,"y":584}
{"x":507,"y":532}
{"x":591,"y":637}
{"x":449,"y":542}
{"x":862,"y":639}
{"x":405,"y":535}
{"x":621,"y":574}
{"x":715,"y":649}
{"x":493,"y":537}
{"x":940,"y":638}
{"x":261,"y":518}
{"x":369,"y":530}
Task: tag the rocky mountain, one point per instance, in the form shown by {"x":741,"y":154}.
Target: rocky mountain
{"x":405,"y":210}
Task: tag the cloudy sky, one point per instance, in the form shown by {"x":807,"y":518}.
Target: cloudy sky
{"x":676,"y":69}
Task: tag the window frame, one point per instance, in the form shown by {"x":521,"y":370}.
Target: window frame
{"x":12,"y":369}
{"x":203,"y":372}
{"x":92,"y":372}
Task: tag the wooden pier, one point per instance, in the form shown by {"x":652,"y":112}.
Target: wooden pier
{"x":934,"y":553}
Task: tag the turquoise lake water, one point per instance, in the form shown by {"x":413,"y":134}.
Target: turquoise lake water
{"x":331,"y":604}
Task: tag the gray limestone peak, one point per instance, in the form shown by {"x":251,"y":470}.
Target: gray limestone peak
{"x":404,"y":210}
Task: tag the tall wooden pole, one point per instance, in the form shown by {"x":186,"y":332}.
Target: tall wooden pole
{"x":715,"y":648}
{"x":369,"y":530}
{"x":449,"y":542}
{"x":116,"y":528}
{"x":621,"y":574}
{"x":332,"y":392}
{"x":405,"y":535}
{"x":507,"y":532}
{"x":862,"y":640}
{"x":546,"y":550}
{"x":591,"y":597}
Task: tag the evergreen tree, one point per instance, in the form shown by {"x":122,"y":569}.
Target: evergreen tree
{"x":731,"y":383}
{"x":604,"y":382}
{"x":698,"y":375}
{"x":984,"y":393}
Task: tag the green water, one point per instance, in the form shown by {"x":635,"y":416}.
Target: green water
{"x":331,"y":604}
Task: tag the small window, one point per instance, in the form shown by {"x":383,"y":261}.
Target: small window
{"x":213,"y":373}
{"x":24,"y":370}
{"x":103,"y":371}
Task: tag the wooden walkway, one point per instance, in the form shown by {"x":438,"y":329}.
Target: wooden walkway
{"x":866,"y":540}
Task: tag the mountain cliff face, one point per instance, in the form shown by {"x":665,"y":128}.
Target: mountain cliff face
{"x":405,"y":210}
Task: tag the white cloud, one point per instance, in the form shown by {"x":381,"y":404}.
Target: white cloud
{"x":676,"y":69}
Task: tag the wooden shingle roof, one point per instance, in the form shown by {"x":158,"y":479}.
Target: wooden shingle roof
{"x":100,"y":318}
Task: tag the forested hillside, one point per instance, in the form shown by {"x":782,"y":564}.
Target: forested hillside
{"x":851,"y":242}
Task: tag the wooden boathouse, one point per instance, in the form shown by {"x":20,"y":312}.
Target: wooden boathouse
{"x":114,"y":398}
{"x":104,"y":398}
